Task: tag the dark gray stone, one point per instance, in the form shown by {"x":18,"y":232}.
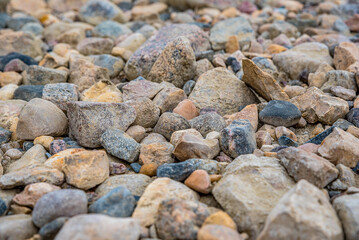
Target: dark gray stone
{"x":60,"y":203}
{"x":321,"y":136}
{"x":14,"y":55}
{"x":280,"y":113}
{"x":286,"y":141}
{"x":188,"y":87}
{"x":49,"y":230}
{"x":37,"y":75}
{"x":119,"y":202}
{"x":136,"y":167}
{"x":207,"y":123}
{"x":28,"y":92}
{"x":169,"y":123}
{"x":16,"y":23}
{"x":343,"y":124}
{"x":110,"y":29}
{"x":177,"y":171}
{"x":5,"y":135}
{"x":353,"y":116}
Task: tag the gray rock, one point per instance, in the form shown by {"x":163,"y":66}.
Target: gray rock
{"x":140,"y":87}
{"x":207,"y":123}
{"x":120,"y":144}
{"x":278,"y":27}
{"x":93,"y":46}
{"x":341,"y":78}
{"x":97,"y":11}
{"x":110,"y":29}
{"x":147,"y":113}
{"x":33,"y":27}
{"x":49,"y":230}
{"x":16,"y":23}
{"x":176,"y":171}
{"x":16,"y":227}
{"x":188,"y":87}
{"x":60,"y":203}
{"x":346,"y":179}
{"x":5,"y":135}
{"x":280,"y":113}
{"x":113,"y":64}
{"x":6,"y":197}
{"x":60,"y":94}
{"x":37,"y":75}
{"x":169,"y":123}
{"x":28,"y":92}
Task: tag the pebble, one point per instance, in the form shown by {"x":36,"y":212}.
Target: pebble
{"x":206,"y":123}
{"x":17,"y":226}
{"x":28,"y":92}
{"x":176,"y":171}
{"x":280,"y":113}
{"x":37,"y":75}
{"x":157,"y":152}
{"x":199,"y":181}
{"x":220,"y":218}
{"x":214,"y":231}
{"x":169,"y":123}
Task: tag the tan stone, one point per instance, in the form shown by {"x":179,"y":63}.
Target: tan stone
{"x":102,"y":92}
{"x":340,"y":147}
{"x":157,"y":191}
{"x":20,"y":42}
{"x":27,"y":6}
{"x":7,"y":92}
{"x":318,"y":129}
{"x":202,"y":66}
{"x":177,"y":135}
{"x":186,"y":109}
{"x":149,"y":169}
{"x":270,"y":129}
{"x":293,"y":91}
{"x":132,"y":43}
{"x":167,"y":99}
{"x":275,"y":48}
{"x":44,"y":141}
{"x":354,"y":131}
{"x":33,"y":192}
{"x":121,"y":52}
{"x":221,"y":218}
{"x":145,"y":11}
{"x":283,"y":131}
{"x":215,"y":177}
{"x":199,"y":181}
{"x":309,"y":147}
{"x":250,"y":112}
{"x":317,"y":79}
{"x":136,"y":132}
{"x":86,"y":169}
{"x":232,"y":44}
{"x":158,"y":153}
{"x":218,"y":232}
{"x":9,"y":113}
{"x":345,"y":54}
{"x":263,"y":138}
{"x":10,"y":78}
{"x":57,"y":160}
{"x":263,"y":83}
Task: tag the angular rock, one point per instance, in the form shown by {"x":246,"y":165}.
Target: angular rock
{"x":37,"y":75}
{"x":346,"y":179}
{"x":339,"y":78}
{"x":158,"y":153}
{"x":199,"y":181}
{"x":345,"y":54}
{"x":221,"y":218}
{"x":35,"y":156}
{"x":250,"y":112}
{"x":97,"y":11}
{"x":168,"y":98}
{"x":353,"y":116}
{"x":114,"y":65}
{"x":60,"y":94}
{"x":140,"y":87}
{"x":177,"y":171}
{"x":28,"y":92}
{"x":213,"y":231}
{"x":169,"y":123}
{"x":280,"y":113}
{"x":20,"y":42}
{"x":186,"y":109}
{"x":95,"y":46}
{"x":207,"y":123}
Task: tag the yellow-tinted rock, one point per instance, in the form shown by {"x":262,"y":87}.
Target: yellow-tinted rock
{"x":275,"y":48}
{"x":10,"y":78}
{"x":102,"y":92}
{"x":199,"y":181}
{"x":7,"y":92}
{"x":57,"y":161}
{"x":141,"y":12}
{"x":44,"y":141}
{"x":221,"y":218}
{"x":149,"y":169}
{"x":232,"y":44}
{"x":218,"y":232}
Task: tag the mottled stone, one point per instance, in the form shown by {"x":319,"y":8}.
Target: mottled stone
{"x":176,"y":171}
{"x":21,"y":42}
{"x":207,"y":123}
{"x":17,"y":226}
{"x":114,"y":65}
{"x":110,"y":29}
{"x":147,"y":113}
{"x":158,"y":153}
{"x":345,"y":54}
{"x":97,"y":11}
{"x":37,"y":75}
{"x":93,"y":46}
{"x":339,"y":78}
{"x":169,"y":123}
{"x":168,"y":98}
{"x":28,"y":92}
{"x":186,"y":109}
{"x":214,"y":231}
{"x":140,"y":87}
{"x":60,"y":94}
{"x":280,"y":113}
{"x":221,"y":218}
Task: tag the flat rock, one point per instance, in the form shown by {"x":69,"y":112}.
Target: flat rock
{"x":140,"y":87}
{"x":157,"y":152}
{"x":35,"y":156}
{"x":280,"y":113}
{"x":95,"y":46}
{"x":207,"y":123}
{"x":60,"y":94}
{"x":37,"y":75}
{"x":28,"y":92}
{"x":17,"y":226}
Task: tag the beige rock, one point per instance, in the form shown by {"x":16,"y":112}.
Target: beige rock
{"x":220,"y":89}
{"x":250,"y":113}
{"x":149,"y":169}
{"x":44,"y":141}
{"x":232,"y":44}
{"x":10,"y":78}
{"x":270,"y":129}
{"x":147,"y":113}
{"x":283,"y":131}
{"x":33,"y":192}
{"x":218,"y":232}
{"x":27,"y":6}
{"x":157,"y":191}
{"x":73,"y":37}
{"x":301,"y":164}
{"x":7,"y":92}
{"x":136,"y":132}
{"x":159,"y":153}
{"x":141,"y":88}
{"x":53,"y":31}
{"x":145,"y":11}
{"x":263,"y":138}
{"x":317,"y":130}
{"x":167,"y":99}
{"x":221,"y":218}
{"x":86,"y":169}
{"x":121,"y":52}
{"x":177,"y":135}
{"x":53,"y":60}
{"x":57,"y":160}
{"x":199,"y":181}
{"x":293,"y":91}
{"x":202,"y":66}
{"x":309,"y":147}
{"x":345,"y":54}
{"x":317,"y":79}
{"x":340,"y":147}
{"x":303,"y":212}
{"x":354,"y":131}
{"x":9,"y":113}
{"x":345,"y":180}
{"x":20,"y":42}
{"x":102,"y":92}
{"x":186,"y":109}
{"x":263,"y":83}
{"x":132,"y":42}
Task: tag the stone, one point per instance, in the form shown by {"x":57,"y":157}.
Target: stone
{"x":339,"y":78}
{"x":186,"y":109}
{"x":28,"y":92}
{"x":60,"y":94}
{"x":76,"y":228}
{"x":316,"y":106}
{"x":140,"y":88}
{"x":287,"y":142}
{"x":214,"y":231}
{"x":250,"y":188}
{"x":86,"y":169}
{"x":249,"y":112}
{"x":177,"y":171}
{"x":220,"y":218}
{"x":176,"y":64}
{"x":281,"y":27}
{"x":21,"y":42}
{"x":136,"y":132}
{"x":121,"y":145}
{"x":9,"y":113}
{"x":50,"y":229}
{"x":340,"y":147}
{"x":35,"y":156}
{"x":37,"y":75}
{"x":306,"y":207}
{"x":220,"y":89}
{"x":280,"y":113}
{"x":40,"y":117}
{"x":157,"y":152}
{"x":5,"y":135}
{"x":176,"y":136}
{"x":135,"y":183}
{"x":347,"y":210}
{"x":305,"y":56}
{"x":102,"y":92}
{"x":149,"y":169}
{"x":13,"y":153}
{"x":343,"y":93}
{"x":353,"y":116}
{"x":153,"y":138}
{"x":58,"y":160}
{"x":110,"y":29}
{"x":160,"y":189}
{"x":283,"y":131}
{"x":89,"y":120}
{"x":17,"y":226}
{"x":345,"y":54}
{"x":21,"y":58}
{"x":238,"y":138}
{"x":97,"y":11}
{"x":199,"y":181}
{"x":168,"y":98}
{"x":132,"y":42}
{"x":263,"y":83}
{"x":345,"y":180}
{"x":93,"y":46}
{"x":114,"y":65}
{"x":119,"y":202}
{"x":317,"y":79}
{"x":10,"y":78}
{"x":301,"y":164}
{"x":7,"y":92}
{"x":33,"y":192}
{"x":169,"y":123}
{"x":147,"y":113}
{"x":45,"y":141}
{"x":222,"y":30}
{"x":143,"y":59}
{"x":142,"y":12}
{"x":180,"y":218}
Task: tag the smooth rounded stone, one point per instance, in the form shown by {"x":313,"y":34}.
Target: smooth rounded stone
{"x":353,"y":116}
{"x":301,"y":164}
{"x":280,"y":113}
{"x":37,"y":75}
{"x":281,"y":27}
{"x":211,"y":86}
{"x":60,"y":94}
{"x":28,"y":92}
{"x":176,"y":64}
{"x":33,"y":192}
{"x":176,"y":171}
{"x":5,"y":135}
{"x":306,"y":207}
{"x":12,"y":77}
{"x":220,"y":218}
{"x":343,"y":93}
{"x":14,"y":153}
{"x":180,"y":219}
{"x":149,"y":169}
{"x":143,"y":59}
{"x":136,"y":132}
{"x":99,"y":226}
{"x":119,"y":202}
{"x":188,"y":87}
{"x":159,"y":190}
{"x":44,"y":141}
{"x":168,"y":98}
{"x":347,"y":209}
{"x":57,"y":146}
{"x":153,"y":138}
{"x":169,"y":123}
{"x":207,"y":123}
{"x":135,"y":183}
{"x":40,"y":117}
{"x":210,"y":166}
{"x":93,"y":46}
{"x":222,"y":30}
{"x":113,"y":64}
{"x":147,"y":113}
{"x":97,"y":11}
{"x":32,"y":27}
{"x":158,"y":153}
{"x":140,"y":87}
{"x":49,"y":230}
{"x":286,"y":141}
{"x":89,"y":120}
{"x":60,"y":203}
{"x":250,"y":187}
{"x":86,"y":169}
{"x":21,"y":42}
{"x":214,"y":231}
{"x":120,"y":144}
{"x":199,"y":181}
{"x":136,"y":167}
{"x":238,"y":138}
{"x":306,"y":56}
{"x":14,"y":227}
{"x":340,"y":147}
{"x":7,"y":92}
{"x":4,"y":60}
{"x":110,"y":29}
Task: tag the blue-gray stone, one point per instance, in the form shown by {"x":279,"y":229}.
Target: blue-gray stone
{"x":113,"y":64}
{"x":343,"y":124}
{"x":17,"y":23}
{"x":14,"y":55}
{"x":5,"y":135}
{"x":177,"y":171}
{"x":277,"y":149}
{"x":3,"y":207}
{"x":207,"y":123}
{"x":264,"y":63}
{"x":353,"y":116}
{"x":286,"y":141}
{"x":71,"y":143}
{"x":3,"y":19}
{"x":136,"y":167}
{"x":119,"y":202}
{"x":321,"y":136}
{"x":27,"y":145}
{"x":110,"y":29}
{"x":233,"y":63}
{"x":28,"y":92}
{"x":97,"y":11}
{"x":188,"y":87}
{"x":49,"y":230}
{"x":33,"y":27}
{"x":280,"y":113}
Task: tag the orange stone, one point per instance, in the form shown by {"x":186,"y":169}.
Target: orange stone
{"x":283,"y":131}
{"x":199,"y":181}
{"x":186,"y":109}
{"x":232,"y":44}
{"x":270,"y":154}
{"x":215,"y":177}
{"x":275,"y":48}
{"x":149,"y":169}
{"x":250,"y":113}
{"x":220,"y":218}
